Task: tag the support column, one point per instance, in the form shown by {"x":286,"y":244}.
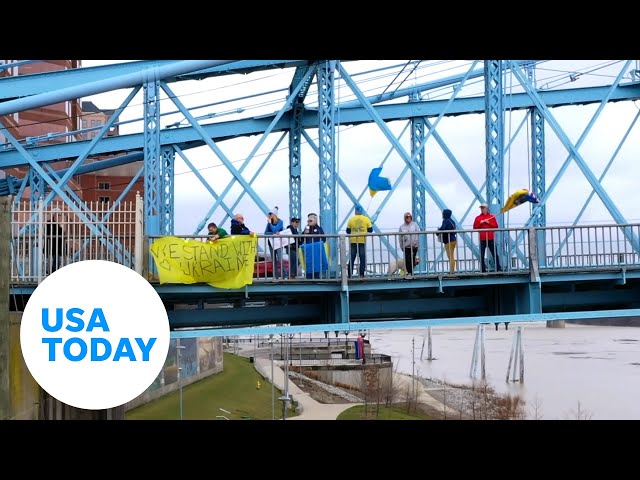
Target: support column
{"x":5,"y":273}
{"x":418,"y":193}
{"x":152,"y":162}
{"x":327,"y":150}
{"x":153,"y":194}
{"x":538,"y":179}
{"x":295,"y":170}
{"x":166,"y":186}
{"x":494,"y":131}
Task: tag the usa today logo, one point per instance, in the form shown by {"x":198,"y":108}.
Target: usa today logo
{"x":94,"y":334}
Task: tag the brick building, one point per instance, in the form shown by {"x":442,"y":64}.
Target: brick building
{"x":49,"y":124}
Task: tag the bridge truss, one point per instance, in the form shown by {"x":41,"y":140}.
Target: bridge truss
{"x":468,"y":132}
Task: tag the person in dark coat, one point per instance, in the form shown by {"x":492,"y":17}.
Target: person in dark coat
{"x":449,"y":240}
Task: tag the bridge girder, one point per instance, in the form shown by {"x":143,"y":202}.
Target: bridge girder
{"x":188,"y":137}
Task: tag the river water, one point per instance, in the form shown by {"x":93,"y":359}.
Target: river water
{"x":579,"y":371}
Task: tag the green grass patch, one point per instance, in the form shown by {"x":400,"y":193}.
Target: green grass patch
{"x":384,"y":413}
{"x":233,"y":389}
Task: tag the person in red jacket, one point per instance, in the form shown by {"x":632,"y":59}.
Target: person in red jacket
{"x":488,"y":221}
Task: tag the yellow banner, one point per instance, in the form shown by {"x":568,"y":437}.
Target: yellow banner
{"x":225,"y":263}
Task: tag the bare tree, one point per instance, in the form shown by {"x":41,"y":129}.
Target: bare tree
{"x":580,"y":414}
{"x":537,"y":408}
{"x":444,"y":400}
{"x":391,"y":388}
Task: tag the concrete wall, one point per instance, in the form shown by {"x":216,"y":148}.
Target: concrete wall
{"x":353,"y":376}
{"x":24,"y":392}
{"x":199,"y":358}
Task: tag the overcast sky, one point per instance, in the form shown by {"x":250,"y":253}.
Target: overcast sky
{"x":363,"y":147}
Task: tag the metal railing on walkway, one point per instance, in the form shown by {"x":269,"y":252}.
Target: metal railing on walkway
{"x":46,"y":238}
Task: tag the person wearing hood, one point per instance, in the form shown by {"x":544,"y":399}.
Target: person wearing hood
{"x":409,"y":242}
{"x":449,"y":240}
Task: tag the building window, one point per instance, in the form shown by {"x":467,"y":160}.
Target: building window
{"x":104,"y":199}
{"x":104,"y":186}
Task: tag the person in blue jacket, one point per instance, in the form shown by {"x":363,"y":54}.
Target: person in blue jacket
{"x":275,"y":227}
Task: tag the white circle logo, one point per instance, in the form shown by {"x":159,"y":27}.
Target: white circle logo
{"x":94,"y":334}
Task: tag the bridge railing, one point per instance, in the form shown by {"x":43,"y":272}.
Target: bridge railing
{"x":45,"y":238}
{"x":588,"y":246}
{"x":48,"y":237}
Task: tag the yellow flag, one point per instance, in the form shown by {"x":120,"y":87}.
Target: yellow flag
{"x":225,"y":263}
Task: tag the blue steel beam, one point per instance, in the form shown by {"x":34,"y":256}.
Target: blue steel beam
{"x":606,"y":200}
{"x":237,"y":174}
{"x":295,"y":143}
{"x":567,"y":161}
{"x":417,"y":153}
{"x":354,"y":201}
{"x":327,"y":149}
{"x":112,"y":244}
{"x":5,"y":66}
{"x":295,"y":157}
{"x":187,"y":137}
{"x":423,"y":87}
{"x":152,"y":168}
{"x":406,"y":157}
{"x":255,"y":175}
{"x":494,"y":131}
{"x":366,"y":188}
{"x":167,"y":158}
{"x":37,"y":83}
{"x":308,"y":313}
{"x":103,"y":131}
{"x":86,"y":216}
{"x":123,"y":81}
{"x":412,"y":324}
{"x":37,"y":186}
{"x":604,"y":173}
{"x":418,"y":194}
{"x":538,"y":170}
{"x":108,"y":213}
{"x":204,"y":182}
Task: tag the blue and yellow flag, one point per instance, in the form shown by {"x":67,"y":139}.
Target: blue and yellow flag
{"x":378,"y":183}
{"x":518,"y":198}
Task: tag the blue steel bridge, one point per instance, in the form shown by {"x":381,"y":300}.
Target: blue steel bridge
{"x":560,"y":270}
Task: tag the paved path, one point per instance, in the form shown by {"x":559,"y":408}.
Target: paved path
{"x":311,"y":408}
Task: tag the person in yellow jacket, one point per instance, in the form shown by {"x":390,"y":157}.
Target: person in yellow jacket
{"x":359,"y":225}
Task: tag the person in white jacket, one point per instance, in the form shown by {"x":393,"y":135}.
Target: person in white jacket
{"x":409,"y":241}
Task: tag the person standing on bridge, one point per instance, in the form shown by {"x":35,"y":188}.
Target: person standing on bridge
{"x":489,"y":222}
{"x":449,"y":240}
{"x":292,"y":248}
{"x":361,"y":225}
{"x":409,"y":241}
{"x":275,"y":227}
{"x":54,"y":242}
{"x":313,"y":248}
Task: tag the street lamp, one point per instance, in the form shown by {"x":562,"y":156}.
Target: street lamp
{"x":346,"y":343}
{"x":178,"y":355}
{"x":273,"y":391}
